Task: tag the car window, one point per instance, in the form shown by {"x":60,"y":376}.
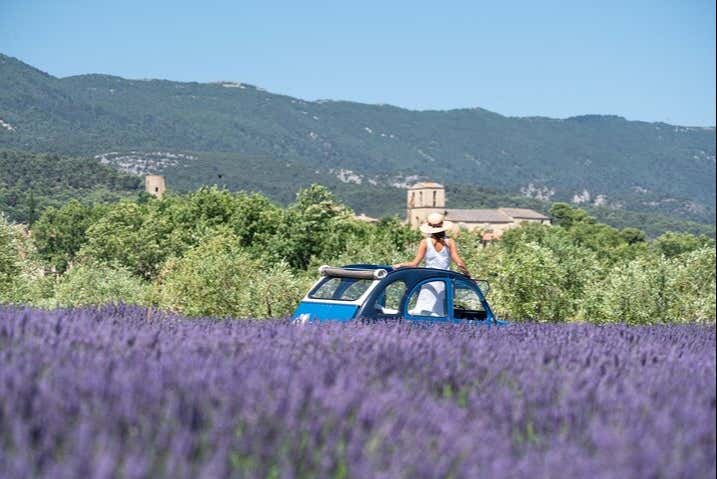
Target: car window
{"x":326,"y":289}
{"x":428,"y":300}
{"x":355,"y":290}
{"x":342,"y":289}
{"x":389,"y":302}
{"x":466,"y":302}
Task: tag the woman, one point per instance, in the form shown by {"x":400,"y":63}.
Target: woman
{"x":438,"y":251}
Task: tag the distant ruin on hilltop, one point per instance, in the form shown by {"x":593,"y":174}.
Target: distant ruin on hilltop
{"x":155,"y":185}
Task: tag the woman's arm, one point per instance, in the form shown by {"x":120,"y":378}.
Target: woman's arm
{"x":417,"y":260}
{"x":457,"y":259}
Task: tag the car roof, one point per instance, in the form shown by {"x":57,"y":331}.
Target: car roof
{"x":415,"y":274}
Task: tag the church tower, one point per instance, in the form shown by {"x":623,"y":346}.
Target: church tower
{"x":423,"y":199}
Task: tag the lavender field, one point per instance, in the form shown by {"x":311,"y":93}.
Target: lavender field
{"x":116,"y":392}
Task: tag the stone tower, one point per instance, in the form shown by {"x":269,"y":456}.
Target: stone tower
{"x":423,"y":199}
{"x":154,"y":185}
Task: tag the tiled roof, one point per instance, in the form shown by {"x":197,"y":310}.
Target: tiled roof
{"x":478,"y":216}
{"x":524,"y":214}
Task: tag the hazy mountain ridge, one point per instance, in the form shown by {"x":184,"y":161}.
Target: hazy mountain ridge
{"x":600,"y":160}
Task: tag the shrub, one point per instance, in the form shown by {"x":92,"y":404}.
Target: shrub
{"x":9,"y":254}
{"x":674,"y":244}
{"x":220,"y":278}
{"x":20,"y":276}
{"x":530,"y":284}
{"x":639,"y":292}
{"x":95,"y":283}
{"x":693,"y":281}
{"x":61,"y":232}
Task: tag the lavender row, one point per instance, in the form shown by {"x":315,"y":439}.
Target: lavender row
{"x":123,"y":392}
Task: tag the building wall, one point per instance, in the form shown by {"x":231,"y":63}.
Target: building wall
{"x":418,"y":216}
{"x":426,"y":198}
{"x":497,"y":228}
{"x":155,"y":185}
{"x":421,"y":202}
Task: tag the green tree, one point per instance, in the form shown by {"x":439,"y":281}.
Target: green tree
{"x":126,"y":236}
{"x":675,"y":244}
{"x":220,"y":278}
{"x":31,"y":209}
{"x":529,"y":284}
{"x":316,"y":225}
{"x":59,"y":233}
{"x":21,"y":279}
{"x":632,"y":235}
{"x":693,"y":282}
{"x":93,"y":284}
{"x":387,"y":242}
{"x":566,"y":216}
{"x":638,"y":292}
{"x":10,"y":265}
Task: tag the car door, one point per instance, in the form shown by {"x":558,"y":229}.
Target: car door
{"x":388,"y":300}
{"x":428,"y":301}
{"x":467,"y":302}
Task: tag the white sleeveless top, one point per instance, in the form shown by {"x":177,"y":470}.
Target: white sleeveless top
{"x":438,"y":259}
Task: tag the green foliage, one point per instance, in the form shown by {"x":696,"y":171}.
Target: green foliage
{"x":127,"y":235}
{"x":30,"y":183}
{"x":9,"y":253}
{"x":654,"y":289}
{"x":142,"y":236}
{"x":92,"y":284}
{"x":653,"y":224}
{"x":21,"y":278}
{"x":39,"y":182}
{"x":637,"y":293}
{"x":60,"y":232}
{"x":314,"y":226}
{"x":566,"y":216}
{"x":693,"y":281}
{"x":632,"y":235}
{"x":530,"y":284}
{"x":220,"y":278}
{"x":386,"y":242}
{"x":278,"y":182}
{"x":675,"y":244}
{"x":217,"y":253}
{"x":649,"y":167}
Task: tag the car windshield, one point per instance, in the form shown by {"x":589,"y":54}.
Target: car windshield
{"x":341,"y":289}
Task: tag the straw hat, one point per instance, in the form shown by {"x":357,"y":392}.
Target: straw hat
{"x":435,"y":224}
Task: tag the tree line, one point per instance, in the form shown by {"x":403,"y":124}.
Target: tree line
{"x":221,"y":253}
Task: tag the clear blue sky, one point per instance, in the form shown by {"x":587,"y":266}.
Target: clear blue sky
{"x":645,"y":60}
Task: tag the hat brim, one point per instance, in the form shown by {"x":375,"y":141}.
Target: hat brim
{"x":429,"y":230}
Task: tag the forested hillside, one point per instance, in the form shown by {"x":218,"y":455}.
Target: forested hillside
{"x":29,"y":183}
{"x":233,"y":129}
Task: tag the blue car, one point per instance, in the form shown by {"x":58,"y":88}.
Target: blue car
{"x":377,"y":292}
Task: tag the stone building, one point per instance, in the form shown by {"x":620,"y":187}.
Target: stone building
{"x":155,"y":185}
{"x":427,"y":197}
{"x":423,"y":199}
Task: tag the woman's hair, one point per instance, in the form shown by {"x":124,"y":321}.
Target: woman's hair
{"x":439,"y":235}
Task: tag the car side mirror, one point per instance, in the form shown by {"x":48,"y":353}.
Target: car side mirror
{"x":483,"y":285}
